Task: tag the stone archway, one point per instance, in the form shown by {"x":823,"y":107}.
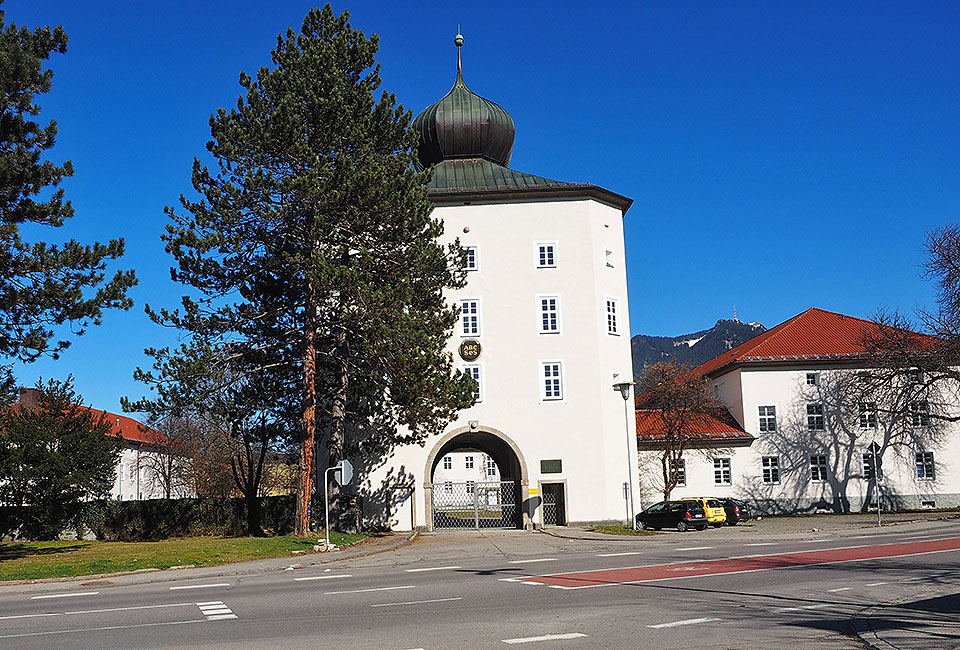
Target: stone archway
{"x":497,"y":445}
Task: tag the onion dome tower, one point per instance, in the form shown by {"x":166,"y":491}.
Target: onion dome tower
{"x":468,"y":140}
{"x":463,"y":124}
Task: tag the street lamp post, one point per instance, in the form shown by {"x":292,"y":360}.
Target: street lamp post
{"x":624,"y":388}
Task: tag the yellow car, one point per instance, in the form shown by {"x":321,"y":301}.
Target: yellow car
{"x":716,"y":514}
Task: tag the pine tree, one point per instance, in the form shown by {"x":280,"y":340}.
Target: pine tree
{"x":313,"y":247}
{"x":41,"y":286}
{"x":54,"y":455}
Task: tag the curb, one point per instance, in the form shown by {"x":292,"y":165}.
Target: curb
{"x":233,"y":569}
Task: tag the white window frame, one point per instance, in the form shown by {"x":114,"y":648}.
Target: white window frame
{"x":868,"y":415}
{"x":816,"y":421}
{"x":813,"y":379}
{"x":681,"y":472}
{"x":448,"y":487}
{"x":559,"y":381}
{"x":471,"y":487}
{"x":612,"y":312}
{"x":765,"y":418}
{"x":476,"y":258}
{"x":468,"y":462}
{"x":771,"y":470}
{"x":722,"y":471}
{"x":818,"y":468}
{"x":475,"y":371}
{"x":542,"y":311}
{"x":548,"y":263}
{"x":920,"y":413}
{"x":447,"y":462}
{"x":926,"y":466}
{"x":491,"y":466}
{"x":477,"y":330}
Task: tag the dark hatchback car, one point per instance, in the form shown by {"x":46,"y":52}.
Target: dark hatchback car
{"x":682,"y":515}
{"x":737,"y":511}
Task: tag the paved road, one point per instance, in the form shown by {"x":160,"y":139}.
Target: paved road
{"x":737,"y":588}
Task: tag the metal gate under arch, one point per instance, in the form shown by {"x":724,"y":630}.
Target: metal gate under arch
{"x":476,"y":505}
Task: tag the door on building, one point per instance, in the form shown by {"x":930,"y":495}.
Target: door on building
{"x":554,"y":505}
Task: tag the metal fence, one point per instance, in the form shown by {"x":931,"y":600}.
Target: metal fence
{"x":475,"y":505}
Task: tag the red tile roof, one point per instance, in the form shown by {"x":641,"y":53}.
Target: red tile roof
{"x":721,"y":426}
{"x":128,"y":428}
{"x":813,"y":335}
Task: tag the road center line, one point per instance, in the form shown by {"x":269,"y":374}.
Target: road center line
{"x":619,"y":554}
{"x":94,"y":611}
{"x":99,"y":629}
{"x":689,"y":621}
{"x":417,"y":602}
{"x":802,"y":607}
{"x":215,"y":584}
{"x":761,"y":544}
{"x":840,"y":589}
{"x":545,"y":637}
{"x":342,"y":575}
{"x":360,"y":591}
{"x":539,"y":559}
{"x":696,"y":548}
{"x":73,"y":595}
{"x":433,"y":568}
{"x":877,"y":584}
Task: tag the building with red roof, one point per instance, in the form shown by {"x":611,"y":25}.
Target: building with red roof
{"x":143,"y":449}
{"x":809,"y":423}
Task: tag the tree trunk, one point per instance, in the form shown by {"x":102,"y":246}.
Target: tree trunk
{"x":254,"y":523}
{"x":301,"y":527}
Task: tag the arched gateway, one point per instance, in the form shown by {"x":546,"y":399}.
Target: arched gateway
{"x":494,"y":504}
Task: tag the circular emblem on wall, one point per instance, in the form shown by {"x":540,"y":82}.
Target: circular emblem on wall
{"x":470,"y":350}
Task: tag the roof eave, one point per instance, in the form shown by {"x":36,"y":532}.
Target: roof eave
{"x":479,"y":194}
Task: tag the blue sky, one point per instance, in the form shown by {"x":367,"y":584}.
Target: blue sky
{"x":780,"y":155}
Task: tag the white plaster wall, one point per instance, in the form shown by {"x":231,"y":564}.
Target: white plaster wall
{"x":129,"y":488}
{"x":587,"y":430}
{"x":843,"y":442}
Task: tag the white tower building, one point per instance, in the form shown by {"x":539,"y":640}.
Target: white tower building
{"x":543,"y":330}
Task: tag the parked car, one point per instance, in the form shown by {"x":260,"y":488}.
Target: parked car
{"x":713,"y":508}
{"x":736,"y":510}
{"x":682,"y":515}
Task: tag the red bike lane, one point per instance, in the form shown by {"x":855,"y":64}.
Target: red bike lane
{"x":685,"y":570}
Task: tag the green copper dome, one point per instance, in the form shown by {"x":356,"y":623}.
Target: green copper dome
{"x":464,"y":125}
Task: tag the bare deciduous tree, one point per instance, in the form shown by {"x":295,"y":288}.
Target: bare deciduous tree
{"x":679,"y":401}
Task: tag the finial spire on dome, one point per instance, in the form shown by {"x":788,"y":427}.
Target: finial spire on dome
{"x":458,"y":41}
{"x":463,"y":125}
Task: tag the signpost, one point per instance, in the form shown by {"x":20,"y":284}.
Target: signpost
{"x":342,"y":474}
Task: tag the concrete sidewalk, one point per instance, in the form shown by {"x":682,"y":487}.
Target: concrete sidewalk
{"x":453,"y":544}
{"x":788,"y":526}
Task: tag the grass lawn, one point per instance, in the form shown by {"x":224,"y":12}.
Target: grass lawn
{"x":34,"y":560}
{"x":620,"y":529}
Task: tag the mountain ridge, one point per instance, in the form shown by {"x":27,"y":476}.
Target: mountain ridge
{"x":691,"y":349}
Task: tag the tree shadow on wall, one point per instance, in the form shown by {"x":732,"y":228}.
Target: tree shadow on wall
{"x":825,"y":455}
